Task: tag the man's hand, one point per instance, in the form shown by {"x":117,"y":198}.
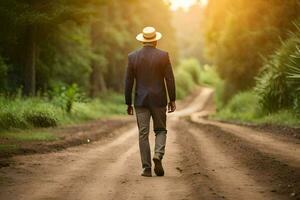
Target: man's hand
{"x":130,"y":110}
{"x":171,"y":106}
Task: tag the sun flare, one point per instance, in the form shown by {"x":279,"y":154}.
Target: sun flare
{"x":185,"y":4}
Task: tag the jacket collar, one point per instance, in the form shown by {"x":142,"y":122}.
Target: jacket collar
{"x":149,"y":45}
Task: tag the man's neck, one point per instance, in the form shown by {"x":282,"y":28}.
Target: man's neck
{"x":149,"y":45}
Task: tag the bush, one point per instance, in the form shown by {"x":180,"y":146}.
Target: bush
{"x":66,"y":96}
{"x":187,"y":76}
{"x":10,"y":114}
{"x":209,"y":76}
{"x":25,"y":113}
{"x":108,"y":104}
{"x":192,"y":67}
{"x":11,"y":120}
{"x":293,"y":77}
{"x":184,"y":83}
{"x":41,"y":116}
{"x":242,"y":107}
{"x":276,"y":84}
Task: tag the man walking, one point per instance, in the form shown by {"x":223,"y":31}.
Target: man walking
{"x":151,"y":70}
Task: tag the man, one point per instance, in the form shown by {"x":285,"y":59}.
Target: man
{"x":151,"y":70}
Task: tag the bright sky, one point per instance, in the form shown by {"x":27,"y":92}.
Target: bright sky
{"x":185,"y":4}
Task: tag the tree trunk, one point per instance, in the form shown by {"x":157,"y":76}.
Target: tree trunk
{"x":30,"y":56}
{"x":97,"y":82}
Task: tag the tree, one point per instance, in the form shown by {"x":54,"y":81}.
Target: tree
{"x":240,"y":33}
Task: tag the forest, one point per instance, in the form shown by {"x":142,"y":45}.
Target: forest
{"x":64,"y":61}
{"x":67,"y":133}
{"x":255,"y":48}
{"x":56,"y":53}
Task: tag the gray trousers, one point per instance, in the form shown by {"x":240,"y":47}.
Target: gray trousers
{"x":143,"y":115}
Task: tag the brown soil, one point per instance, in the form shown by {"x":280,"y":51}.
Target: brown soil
{"x":202,"y":161}
{"x":68,"y":136}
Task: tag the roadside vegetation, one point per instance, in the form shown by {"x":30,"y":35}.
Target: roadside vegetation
{"x":25,"y":120}
{"x":187,"y":76}
{"x":258,"y":61}
{"x":50,"y":111}
{"x":59,"y":66}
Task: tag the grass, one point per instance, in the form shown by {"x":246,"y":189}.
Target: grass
{"x":244,"y":107}
{"x":21,"y":118}
{"x":28,"y":113}
{"x":187,"y":76}
{"x":209,"y":76}
{"x":31,"y":135}
{"x":8,"y":148}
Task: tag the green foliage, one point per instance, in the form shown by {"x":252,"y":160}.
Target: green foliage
{"x":187,"y":76}
{"x":108,"y":104}
{"x":237,"y":36}
{"x":25,"y":113}
{"x":277,"y":85}
{"x":184,"y":83}
{"x":272,"y":86}
{"x":28,"y":136}
{"x":40,"y":116}
{"x":275,"y":99}
{"x":66,"y":57}
{"x":209,"y":76}
{"x":293,"y":76}
{"x":244,"y":108}
{"x":66,"y":96}
{"x":192,"y":67}
{"x":46,"y":43}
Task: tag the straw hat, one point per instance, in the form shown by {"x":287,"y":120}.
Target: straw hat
{"x":149,"y":34}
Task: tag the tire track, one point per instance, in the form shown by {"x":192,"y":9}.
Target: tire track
{"x":74,"y":168}
{"x":286,"y":151}
{"x":224,"y":176}
{"x":283,"y":179}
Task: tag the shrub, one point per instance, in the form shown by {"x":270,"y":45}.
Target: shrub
{"x":184,"y":83}
{"x":276,"y":84}
{"x":11,"y":120}
{"x":66,"y":96}
{"x":209,"y":76}
{"x":192,"y":67}
{"x":187,"y":76}
{"x":25,"y":113}
{"x":10,"y":114}
{"x":41,"y":116}
{"x":293,"y":77}
{"x":242,"y":107}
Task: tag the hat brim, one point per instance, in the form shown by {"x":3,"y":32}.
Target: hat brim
{"x":141,"y":38}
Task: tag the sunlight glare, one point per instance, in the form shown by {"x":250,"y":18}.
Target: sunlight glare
{"x":185,"y":4}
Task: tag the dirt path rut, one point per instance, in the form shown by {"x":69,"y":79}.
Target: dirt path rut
{"x":202,"y":161}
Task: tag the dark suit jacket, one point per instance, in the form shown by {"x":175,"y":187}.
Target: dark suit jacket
{"x":150,"y":68}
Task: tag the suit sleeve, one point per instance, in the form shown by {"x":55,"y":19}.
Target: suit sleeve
{"x":170,"y":81}
{"x":129,"y":80}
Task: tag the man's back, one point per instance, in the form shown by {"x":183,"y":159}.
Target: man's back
{"x":150,"y":68}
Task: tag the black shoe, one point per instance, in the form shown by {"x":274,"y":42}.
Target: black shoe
{"x":146,"y":172}
{"x":158,"y":168}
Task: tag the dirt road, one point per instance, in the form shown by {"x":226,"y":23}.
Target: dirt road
{"x":204,"y":160}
